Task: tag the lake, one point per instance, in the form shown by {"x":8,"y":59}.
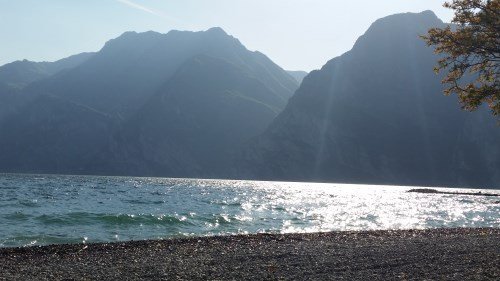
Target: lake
{"x":54,"y":209}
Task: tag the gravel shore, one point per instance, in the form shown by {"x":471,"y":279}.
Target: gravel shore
{"x":439,"y":254}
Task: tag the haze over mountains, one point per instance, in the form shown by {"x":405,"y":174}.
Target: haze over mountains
{"x":199,"y":104}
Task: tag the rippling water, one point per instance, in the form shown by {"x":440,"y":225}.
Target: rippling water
{"x":38,"y":210}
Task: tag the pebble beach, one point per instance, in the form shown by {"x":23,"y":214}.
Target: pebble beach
{"x":434,"y":254}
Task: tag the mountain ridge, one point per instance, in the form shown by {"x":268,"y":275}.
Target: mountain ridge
{"x":23,"y":72}
{"x":127,"y":59}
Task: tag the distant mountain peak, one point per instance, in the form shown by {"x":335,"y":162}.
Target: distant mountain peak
{"x":428,"y":13}
{"x":132,"y":40}
{"x":135,"y":33}
{"x":217,"y":29}
{"x":402,"y":29}
{"x":405,"y":20}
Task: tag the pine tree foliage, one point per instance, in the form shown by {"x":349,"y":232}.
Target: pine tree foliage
{"x":471,"y":47}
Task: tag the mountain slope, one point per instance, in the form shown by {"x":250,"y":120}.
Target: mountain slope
{"x":377,"y":115}
{"x":51,"y":136}
{"x":187,"y":129}
{"x":9,"y":100}
{"x":19,"y":74}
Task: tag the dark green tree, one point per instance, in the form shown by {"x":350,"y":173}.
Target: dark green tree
{"x":471,"y":47}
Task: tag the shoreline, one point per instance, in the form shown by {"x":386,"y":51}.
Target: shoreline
{"x":435,"y":191}
{"x":451,"y":254}
{"x":388,"y":184}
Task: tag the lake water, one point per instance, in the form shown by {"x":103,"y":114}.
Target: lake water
{"x":46,"y":209}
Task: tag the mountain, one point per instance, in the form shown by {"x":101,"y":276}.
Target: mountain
{"x":120,"y":78}
{"x":188,"y":129}
{"x":146,"y":104}
{"x":377,"y":115}
{"x":19,"y":74}
{"x":298,"y":75}
{"x":51,"y":135}
{"x":9,"y":100}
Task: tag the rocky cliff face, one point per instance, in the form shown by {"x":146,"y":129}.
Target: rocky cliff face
{"x":377,"y":115}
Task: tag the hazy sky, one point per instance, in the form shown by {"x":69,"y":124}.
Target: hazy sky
{"x":296,"y":34}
